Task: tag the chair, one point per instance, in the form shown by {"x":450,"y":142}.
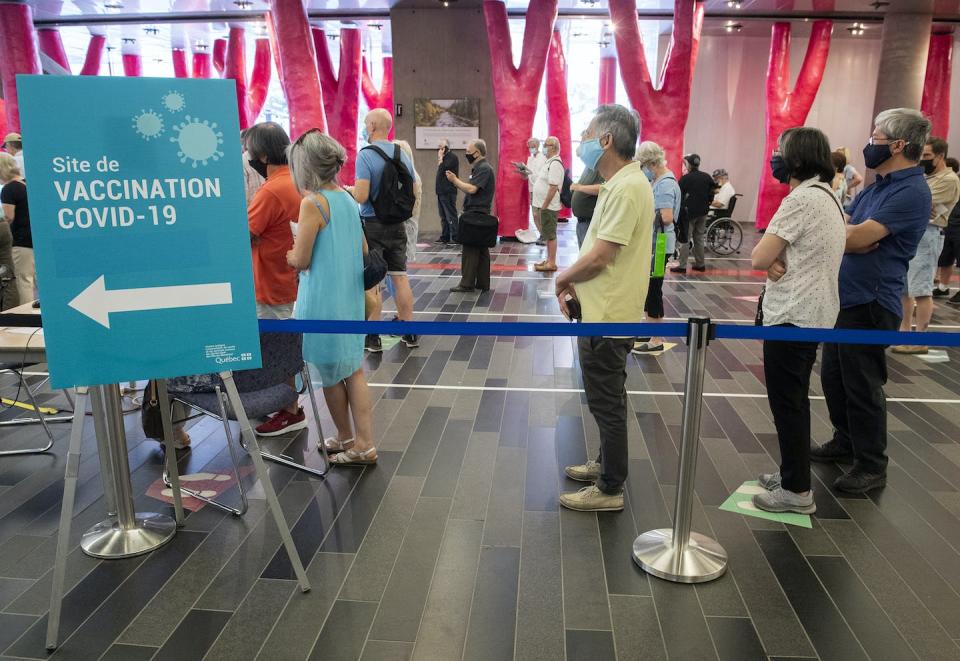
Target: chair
{"x":728,"y":212}
{"x":724,"y":236}
{"x":261,"y":391}
{"x":16,"y":368}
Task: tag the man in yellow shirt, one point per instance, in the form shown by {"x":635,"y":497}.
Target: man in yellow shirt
{"x":609,"y":281}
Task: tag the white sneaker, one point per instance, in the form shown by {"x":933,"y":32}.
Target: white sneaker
{"x":780,"y":500}
{"x":591,"y":499}
{"x":588,"y":472}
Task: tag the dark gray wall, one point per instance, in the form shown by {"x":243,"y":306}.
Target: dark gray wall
{"x":440,"y":53}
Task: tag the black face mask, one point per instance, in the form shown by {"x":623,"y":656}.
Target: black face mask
{"x":259,"y":167}
{"x":928,"y":166}
{"x":779,"y":169}
{"x":471,"y":158}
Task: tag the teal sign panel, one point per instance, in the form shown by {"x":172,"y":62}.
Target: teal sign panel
{"x":139,"y":225}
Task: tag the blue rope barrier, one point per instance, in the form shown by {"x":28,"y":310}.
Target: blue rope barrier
{"x":554,"y":329}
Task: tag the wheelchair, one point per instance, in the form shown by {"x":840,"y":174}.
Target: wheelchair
{"x":724,"y":236}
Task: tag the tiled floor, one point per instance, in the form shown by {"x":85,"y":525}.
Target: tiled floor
{"x":453,"y":547}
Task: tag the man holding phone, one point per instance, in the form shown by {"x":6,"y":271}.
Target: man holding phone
{"x":609,"y":281}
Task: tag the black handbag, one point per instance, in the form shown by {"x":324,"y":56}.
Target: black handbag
{"x":478,"y":230}
{"x":374,"y":269}
{"x":150,"y":417}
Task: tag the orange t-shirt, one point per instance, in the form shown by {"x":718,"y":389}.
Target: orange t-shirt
{"x":270,"y":213}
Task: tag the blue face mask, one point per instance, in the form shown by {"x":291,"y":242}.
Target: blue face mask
{"x":649,"y":173}
{"x":365,"y":135}
{"x":590,"y":153}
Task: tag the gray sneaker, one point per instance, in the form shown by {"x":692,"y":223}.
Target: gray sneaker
{"x":591,"y":499}
{"x":769,"y":481}
{"x":588,"y":472}
{"x":781,"y":500}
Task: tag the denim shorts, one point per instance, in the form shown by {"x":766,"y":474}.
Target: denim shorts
{"x":923,"y":266}
{"x":390,"y":240}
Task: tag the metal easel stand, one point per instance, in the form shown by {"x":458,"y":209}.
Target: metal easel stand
{"x":678,"y":554}
{"x":130,"y":533}
{"x":253,"y":447}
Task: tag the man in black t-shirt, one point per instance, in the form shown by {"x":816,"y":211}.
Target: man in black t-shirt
{"x":475,"y":262}
{"x":447,"y":161}
{"x":697,"y":191}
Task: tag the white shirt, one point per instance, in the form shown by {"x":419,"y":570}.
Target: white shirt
{"x":19,"y":159}
{"x":808,"y":294}
{"x":724,"y":195}
{"x":551,"y":174}
{"x":535,"y":164}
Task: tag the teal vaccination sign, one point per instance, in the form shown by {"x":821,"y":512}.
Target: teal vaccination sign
{"x":139,"y":227}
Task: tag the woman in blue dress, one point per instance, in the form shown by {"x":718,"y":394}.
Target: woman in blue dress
{"x":328,"y":252}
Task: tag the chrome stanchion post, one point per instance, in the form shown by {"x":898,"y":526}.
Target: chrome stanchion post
{"x":678,"y":554}
{"x":132,"y":533}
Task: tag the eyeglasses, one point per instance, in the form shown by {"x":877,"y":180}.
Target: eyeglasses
{"x":875,"y":141}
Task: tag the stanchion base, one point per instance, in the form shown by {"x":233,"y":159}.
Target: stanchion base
{"x":702,"y":561}
{"x":108,"y":540}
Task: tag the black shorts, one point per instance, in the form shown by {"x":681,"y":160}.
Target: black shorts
{"x":950,"y":254}
{"x":654,"y":305}
{"x":390,"y":241}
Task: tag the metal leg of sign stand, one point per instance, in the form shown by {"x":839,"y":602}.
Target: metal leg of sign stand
{"x":253,"y":447}
{"x":66,"y":515}
{"x":132,"y":533}
{"x":103,"y":450}
{"x":172,"y":472}
{"x":680,"y":555}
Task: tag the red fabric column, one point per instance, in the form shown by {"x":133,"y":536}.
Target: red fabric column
{"x":936,"y":85}
{"x":202,"y":67}
{"x":608,"y":81}
{"x":259,"y":79}
{"x":3,"y":118}
{"x":132,"y":65}
{"x":220,"y":54}
{"x":515,"y":93}
{"x":558,"y":107}
{"x":341,"y":93}
{"x":787,"y":109}
{"x":180,"y":69}
{"x":298,"y":66}
{"x":383,"y":97}
{"x":18,"y":43}
{"x":91,"y":64}
{"x":235,"y":68}
{"x":663,"y":109}
{"x":52,"y":46}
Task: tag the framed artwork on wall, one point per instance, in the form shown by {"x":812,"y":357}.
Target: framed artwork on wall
{"x":456,"y":120}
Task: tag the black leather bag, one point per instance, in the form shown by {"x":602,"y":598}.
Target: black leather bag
{"x":374,"y":269}
{"x":478,"y":229}
{"x":150,"y":417}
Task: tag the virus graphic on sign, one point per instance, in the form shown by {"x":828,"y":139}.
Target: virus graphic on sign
{"x":198,"y":140}
{"x":174,"y":101}
{"x":148,"y":124}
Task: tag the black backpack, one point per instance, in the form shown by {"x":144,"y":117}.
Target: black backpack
{"x":395,"y":197}
{"x":566,"y":195}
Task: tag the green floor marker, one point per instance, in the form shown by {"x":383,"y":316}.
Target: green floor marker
{"x":741,"y":502}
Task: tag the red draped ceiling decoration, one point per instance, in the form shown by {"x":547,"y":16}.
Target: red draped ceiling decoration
{"x":558,"y":106}
{"x":132,"y":65}
{"x":91,"y":63}
{"x":220,"y":54}
{"x":341,"y":92}
{"x":297,"y":66}
{"x":259,"y":78}
{"x":51,"y":45}
{"x":202,"y":66}
{"x":18,"y":43}
{"x":515,"y":92}
{"x":663,"y":108}
{"x":180,"y":69}
{"x":608,"y":81}
{"x":383,"y":97}
{"x":786,"y":109}
{"x":936,"y":85}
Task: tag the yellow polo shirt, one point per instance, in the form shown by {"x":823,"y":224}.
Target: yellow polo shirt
{"x":624,"y":215}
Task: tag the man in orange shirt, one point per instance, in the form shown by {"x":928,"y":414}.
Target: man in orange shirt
{"x":274,"y":206}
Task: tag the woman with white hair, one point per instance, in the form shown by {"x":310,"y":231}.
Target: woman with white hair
{"x":328,"y":252}
{"x":16,"y":212}
{"x":666,"y":204}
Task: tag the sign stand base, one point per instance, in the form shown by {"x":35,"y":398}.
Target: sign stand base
{"x":109,"y":540}
{"x":700,"y":560}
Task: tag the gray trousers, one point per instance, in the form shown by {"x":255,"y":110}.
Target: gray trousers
{"x":603,"y":361}
{"x":698,"y":231}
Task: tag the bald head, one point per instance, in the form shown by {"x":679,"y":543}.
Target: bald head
{"x":378,"y":123}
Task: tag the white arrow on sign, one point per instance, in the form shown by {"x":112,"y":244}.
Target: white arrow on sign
{"x":97,"y":303}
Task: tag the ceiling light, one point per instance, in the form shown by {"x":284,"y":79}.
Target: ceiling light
{"x":200,"y":45}
{"x":734,"y":4}
{"x":243,"y":4}
{"x":113,"y":4}
{"x":856,"y":29}
{"x":128,"y":40}
{"x":589,"y":3}
{"x":733,"y":27}
{"x":610,"y":27}
{"x":379,"y":26}
{"x":152,"y":30}
{"x":879,"y":4}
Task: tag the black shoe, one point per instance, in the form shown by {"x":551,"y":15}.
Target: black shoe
{"x":955,"y":298}
{"x":859,"y":481}
{"x":831,"y":452}
{"x":372,"y":344}
{"x":412,"y":341}
{"x":461,"y":290}
{"x":941,"y":293}
{"x":701,"y":269}
{"x":441,"y":240}
{"x":395,"y":318}
{"x":678,"y":269}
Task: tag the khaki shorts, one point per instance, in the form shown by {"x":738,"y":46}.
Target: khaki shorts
{"x":548,"y":225}
{"x":281,"y":311}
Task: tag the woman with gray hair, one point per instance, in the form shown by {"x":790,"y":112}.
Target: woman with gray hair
{"x":328,"y":252}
